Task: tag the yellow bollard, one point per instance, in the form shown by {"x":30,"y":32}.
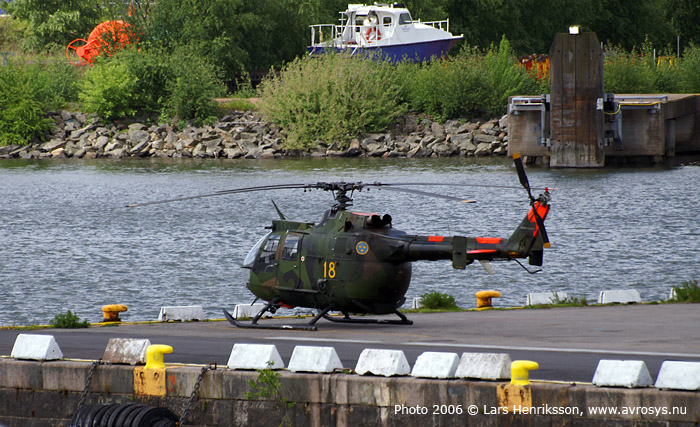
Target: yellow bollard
{"x":520,"y":371}
{"x":111,"y":312}
{"x":154,"y":355}
{"x":483,"y":298}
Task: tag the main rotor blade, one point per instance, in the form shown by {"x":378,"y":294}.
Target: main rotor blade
{"x":447,"y":184}
{"x":427,"y":194}
{"x":223,"y":192}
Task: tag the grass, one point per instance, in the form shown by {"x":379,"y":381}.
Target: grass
{"x":571,"y":301}
{"x":438,"y":301}
{"x":687,"y":292}
{"x":68,"y":320}
{"x":229,"y":105}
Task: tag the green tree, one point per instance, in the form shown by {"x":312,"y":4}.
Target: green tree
{"x":55,"y":23}
{"x":684,"y":17}
{"x":238,"y":35}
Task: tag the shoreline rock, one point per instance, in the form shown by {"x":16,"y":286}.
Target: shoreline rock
{"x":245,"y":135}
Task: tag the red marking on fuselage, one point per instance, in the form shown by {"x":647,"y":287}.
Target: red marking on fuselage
{"x":482,"y":251}
{"x":436,"y":238}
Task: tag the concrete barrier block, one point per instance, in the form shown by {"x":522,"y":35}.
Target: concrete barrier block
{"x":678,"y":375}
{"x":314,"y":359}
{"x":417,"y":303}
{"x":182,"y":313}
{"x":620,"y":296}
{"x":433,"y":364}
{"x":622,"y":373}
{"x":130,"y":351}
{"x":484,"y":366}
{"x":537,"y":298}
{"x":255,"y":356}
{"x":36,"y":347}
{"x":382,"y":362}
{"x":248,"y":311}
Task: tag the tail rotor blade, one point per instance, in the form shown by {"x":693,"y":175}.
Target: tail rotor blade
{"x":526,"y":184}
{"x":540,"y":226}
{"x":521,"y":172}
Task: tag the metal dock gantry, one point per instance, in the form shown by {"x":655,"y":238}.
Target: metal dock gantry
{"x":578,"y":125}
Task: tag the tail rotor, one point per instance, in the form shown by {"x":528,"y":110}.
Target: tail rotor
{"x":536,"y":203}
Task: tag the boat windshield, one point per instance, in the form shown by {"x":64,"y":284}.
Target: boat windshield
{"x":405,"y":18}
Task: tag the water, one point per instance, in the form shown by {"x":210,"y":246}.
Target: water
{"x":67,"y":241}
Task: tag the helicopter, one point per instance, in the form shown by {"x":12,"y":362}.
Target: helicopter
{"x":357,"y":263}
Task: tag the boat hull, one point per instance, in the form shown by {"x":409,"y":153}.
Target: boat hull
{"x":412,"y":52}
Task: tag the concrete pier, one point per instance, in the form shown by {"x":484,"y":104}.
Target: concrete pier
{"x":48,"y":393}
{"x":578,"y":125}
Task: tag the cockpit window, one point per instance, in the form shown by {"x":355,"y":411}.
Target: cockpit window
{"x":271,"y":244}
{"x":387,"y":21}
{"x":291,"y":247}
{"x":405,"y":18}
{"x":267,"y":255}
{"x":250,"y":258}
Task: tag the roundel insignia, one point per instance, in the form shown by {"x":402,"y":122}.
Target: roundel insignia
{"x":362,"y":247}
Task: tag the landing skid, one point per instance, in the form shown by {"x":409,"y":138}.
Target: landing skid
{"x":347,"y":319}
{"x":311,"y":326}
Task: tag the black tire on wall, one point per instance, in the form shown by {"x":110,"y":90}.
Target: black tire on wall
{"x":123,"y":415}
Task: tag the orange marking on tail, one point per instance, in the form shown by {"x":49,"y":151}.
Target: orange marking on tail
{"x":489,"y":240}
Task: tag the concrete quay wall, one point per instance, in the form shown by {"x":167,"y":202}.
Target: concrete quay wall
{"x":47,"y":394}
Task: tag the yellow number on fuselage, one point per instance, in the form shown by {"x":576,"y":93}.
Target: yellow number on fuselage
{"x":329,"y":270}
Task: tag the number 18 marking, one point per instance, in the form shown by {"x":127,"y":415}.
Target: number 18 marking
{"x":329,"y":270}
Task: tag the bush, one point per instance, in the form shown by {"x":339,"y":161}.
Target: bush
{"x":688,"y":291}
{"x":333,"y":97}
{"x":438,"y":300}
{"x":688,"y":75}
{"x":109,"y":89}
{"x":470,"y":84}
{"x":628,"y":72}
{"x":22,"y":105}
{"x":148,"y":81}
{"x":11,"y":31}
{"x":192,"y":87}
{"x":68,"y":320}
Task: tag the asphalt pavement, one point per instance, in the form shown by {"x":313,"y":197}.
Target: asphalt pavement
{"x":566,"y":342}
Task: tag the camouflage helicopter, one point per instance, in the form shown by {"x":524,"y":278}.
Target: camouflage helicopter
{"x":358,"y":263}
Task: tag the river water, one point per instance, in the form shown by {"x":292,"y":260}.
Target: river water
{"x":67,"y":241}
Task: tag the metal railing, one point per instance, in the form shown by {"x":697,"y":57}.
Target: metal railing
{"x":332,"y":35}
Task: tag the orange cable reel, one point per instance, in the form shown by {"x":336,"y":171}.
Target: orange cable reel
{"x":106,"y":38}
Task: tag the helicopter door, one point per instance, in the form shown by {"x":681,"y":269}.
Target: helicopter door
{"x":289,"y":266}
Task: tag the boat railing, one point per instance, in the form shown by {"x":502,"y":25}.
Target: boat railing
{"x":324,"y":33}
{"x":342,"y":36}
{"x":440,"y":25}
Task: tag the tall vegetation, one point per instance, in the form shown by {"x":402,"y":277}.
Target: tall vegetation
{"x":332,"y":98}
{"x":152,"y":81}
{"x":26,"y":93}
{"x":470,"y":84}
